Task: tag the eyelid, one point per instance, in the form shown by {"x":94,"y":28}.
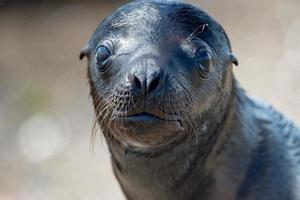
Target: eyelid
{"x":202,"y":51}
{"x":108,"y":44}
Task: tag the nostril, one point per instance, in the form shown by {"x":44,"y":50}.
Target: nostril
{"x":145,"y":82}
{"x":153,"y":84}
{"x":137,"y":82}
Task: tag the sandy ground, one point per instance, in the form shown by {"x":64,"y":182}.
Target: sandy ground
{"x":45,"y":111}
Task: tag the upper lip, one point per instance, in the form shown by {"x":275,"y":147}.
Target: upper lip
{"x":126,"y":115}
{"x":144,"y":114}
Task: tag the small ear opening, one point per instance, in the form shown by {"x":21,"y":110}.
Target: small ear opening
{"x":233,"y":59}
{"x":84,"y":52}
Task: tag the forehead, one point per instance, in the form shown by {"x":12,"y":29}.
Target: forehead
{"x":154,"y":20}
{"x":139,"y":21}
{"x":139,"y":14}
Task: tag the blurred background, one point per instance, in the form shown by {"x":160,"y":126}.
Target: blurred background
{"x":46,"y":114}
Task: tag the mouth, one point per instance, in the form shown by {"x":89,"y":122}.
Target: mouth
{"x":146,"y":123}
{"x":144,"y":118}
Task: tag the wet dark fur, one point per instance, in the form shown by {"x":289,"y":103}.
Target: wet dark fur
{"x":218,"y":143}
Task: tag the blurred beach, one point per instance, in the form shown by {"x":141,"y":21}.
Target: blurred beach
{"x":46,"y":114}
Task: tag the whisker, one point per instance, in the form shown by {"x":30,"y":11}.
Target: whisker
{"x":201,"y":27}
{"x":98,"y":115}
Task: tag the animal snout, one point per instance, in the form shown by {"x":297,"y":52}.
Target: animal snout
{"x":147,"y":81}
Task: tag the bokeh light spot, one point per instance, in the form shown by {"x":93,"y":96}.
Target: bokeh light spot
{"x":43,"y":135}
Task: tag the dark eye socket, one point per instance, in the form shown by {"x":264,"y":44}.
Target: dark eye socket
{"x":102,"y":58}
{"x":204,"y":63}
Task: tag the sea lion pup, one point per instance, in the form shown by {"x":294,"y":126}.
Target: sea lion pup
{"x":176,"y":122}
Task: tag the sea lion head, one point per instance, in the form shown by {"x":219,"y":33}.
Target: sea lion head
{"x":155,"y":70}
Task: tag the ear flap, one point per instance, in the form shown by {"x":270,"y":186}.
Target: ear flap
{"x":233,"y":59}
{"x":84,"y":52}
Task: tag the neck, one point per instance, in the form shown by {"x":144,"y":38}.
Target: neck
{"x":201,"y":166}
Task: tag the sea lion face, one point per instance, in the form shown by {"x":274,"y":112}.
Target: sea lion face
{"x":154,"y":69}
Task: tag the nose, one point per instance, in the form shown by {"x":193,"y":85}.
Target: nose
{"x":147,"y":80}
